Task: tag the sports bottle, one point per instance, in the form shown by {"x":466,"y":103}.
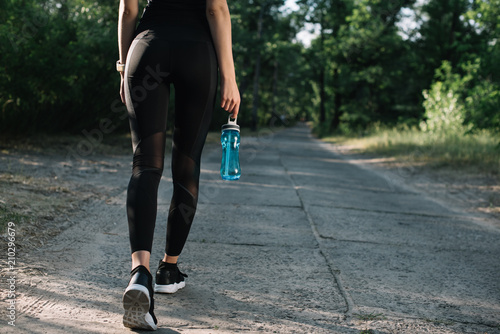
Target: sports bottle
{"x":230,"y":141}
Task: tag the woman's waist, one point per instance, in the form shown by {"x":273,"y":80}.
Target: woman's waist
{"x":171,"y":16}
{"x":177,"y":5}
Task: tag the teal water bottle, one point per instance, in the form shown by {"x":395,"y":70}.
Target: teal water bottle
{"x":230,"y":141}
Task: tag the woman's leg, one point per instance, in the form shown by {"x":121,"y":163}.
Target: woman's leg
{"x":141,"y":258}
{"x":147,"y":93}
{"x":195,"y":80}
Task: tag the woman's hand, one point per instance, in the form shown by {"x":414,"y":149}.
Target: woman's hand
{"x":122,"y":88}
{"x":230,"y":97}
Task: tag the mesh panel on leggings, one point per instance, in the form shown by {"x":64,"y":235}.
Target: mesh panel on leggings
{"x":185,"y":174}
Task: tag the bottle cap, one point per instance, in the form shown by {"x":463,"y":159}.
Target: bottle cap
{"x":231,"y":125}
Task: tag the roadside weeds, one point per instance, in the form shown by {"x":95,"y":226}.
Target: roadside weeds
{"x":464,"y":171}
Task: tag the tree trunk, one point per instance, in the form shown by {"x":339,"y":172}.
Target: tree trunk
{"x":64,"y":10}
{"x":245,"y":80}
{"x":337,"y":101}
{"x":256,"y":77}
{"x":275,"y":87}
{"x":455,"y":22}
{"x":322,"y":94}
{"x":255,"y":106}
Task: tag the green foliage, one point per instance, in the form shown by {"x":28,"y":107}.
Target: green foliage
{"x":444,"y":109}
{"x":444,"y":74}
{"x":413,"y":147}
{"x":461,"y":103}
{"x":446,"y":35}
{"x":482,"y":101}
{"x":283,"y":92}
{"x":8,"y":215}
{"x":482,"y":105}
{"x":58,"y":57}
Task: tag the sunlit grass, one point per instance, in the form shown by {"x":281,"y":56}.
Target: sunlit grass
{"x":7,"y":215}
{"x":480,"y":151}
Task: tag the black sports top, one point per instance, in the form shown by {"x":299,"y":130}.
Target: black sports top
{"x":174,"y":13}
{"x":197,"y":5}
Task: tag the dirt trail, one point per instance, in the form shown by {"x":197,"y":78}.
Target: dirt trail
{"x":306,"y":242}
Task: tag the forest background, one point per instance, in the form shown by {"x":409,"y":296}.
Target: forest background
{"x":426,"y":72}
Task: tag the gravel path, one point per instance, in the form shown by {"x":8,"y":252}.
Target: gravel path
{"x":308,"y":241}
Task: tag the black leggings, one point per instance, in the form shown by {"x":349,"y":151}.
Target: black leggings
{"x":159,"y":56}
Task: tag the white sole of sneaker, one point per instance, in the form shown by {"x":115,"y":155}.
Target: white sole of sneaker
{"x":171,"y":288}
{"x":136,"y":305}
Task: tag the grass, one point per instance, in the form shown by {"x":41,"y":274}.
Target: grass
{"x":369,"y":316}
{"x":7,"y":216}
{"x":479,"y":151}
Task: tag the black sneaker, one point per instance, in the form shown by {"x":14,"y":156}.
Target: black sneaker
{"x":169,"y":278}
{"x":138,"y":301}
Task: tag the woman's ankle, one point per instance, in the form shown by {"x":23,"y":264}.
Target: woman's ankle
{"x":170,"y":259}
{"x":141,"y":258}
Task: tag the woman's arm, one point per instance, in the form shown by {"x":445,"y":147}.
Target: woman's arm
{"x":219,"y":21}
{"x":127,"y":17}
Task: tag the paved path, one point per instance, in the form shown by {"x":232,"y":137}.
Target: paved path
{"x":306,"y":242}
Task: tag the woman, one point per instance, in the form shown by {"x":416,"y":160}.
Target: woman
{"x":179,"y":42}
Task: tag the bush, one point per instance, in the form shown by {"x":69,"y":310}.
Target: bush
{"x":444,"y":109}
{"x":59,"y":65}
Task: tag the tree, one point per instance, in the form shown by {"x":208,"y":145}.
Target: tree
{"x":317,"y":12}
{"x":462,"y":36}
{"x":63,"y":79}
